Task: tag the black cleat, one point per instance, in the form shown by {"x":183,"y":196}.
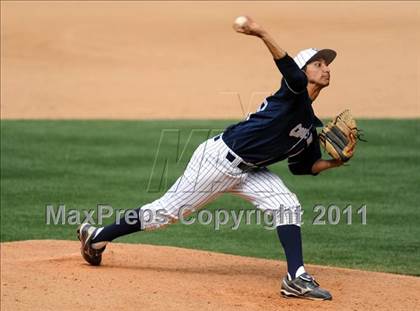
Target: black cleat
{"x":304,"y":286}
{"x":85,"y":232}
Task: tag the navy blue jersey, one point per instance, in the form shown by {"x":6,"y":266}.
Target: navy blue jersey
{"x":283,"y":127}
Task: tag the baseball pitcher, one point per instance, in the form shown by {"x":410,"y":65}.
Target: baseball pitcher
{"x":236,"y":161}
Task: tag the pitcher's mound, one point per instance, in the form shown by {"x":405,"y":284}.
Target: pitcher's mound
{"x":51,"y":275}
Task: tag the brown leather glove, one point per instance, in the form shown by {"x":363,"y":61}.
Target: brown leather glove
{"x":339,"y":136}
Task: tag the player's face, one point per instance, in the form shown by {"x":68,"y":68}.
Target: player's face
{"x":318,"y":73}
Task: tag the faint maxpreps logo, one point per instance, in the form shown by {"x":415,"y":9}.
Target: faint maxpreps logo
{"x":172,"y":155}
{"x":149,"y":219}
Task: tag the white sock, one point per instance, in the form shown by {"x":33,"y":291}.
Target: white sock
{"x":97,"y":232}
{"x":299,"y":271}
{"x":98,"y":245}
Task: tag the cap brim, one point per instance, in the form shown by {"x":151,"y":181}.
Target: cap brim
{"x":326,"y":54}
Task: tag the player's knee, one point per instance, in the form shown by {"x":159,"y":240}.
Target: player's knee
{"x":154,"y":215}
{"x":290,"y":215}
{"x":283,"y":214}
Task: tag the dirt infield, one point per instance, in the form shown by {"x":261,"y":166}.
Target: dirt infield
{"x":51,"y":275}
{"x":142,"y":60}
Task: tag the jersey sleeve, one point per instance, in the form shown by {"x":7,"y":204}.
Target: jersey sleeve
{"x":294,"y":78}
{"x":301,"y":164}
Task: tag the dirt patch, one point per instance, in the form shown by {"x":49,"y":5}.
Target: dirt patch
{"x":145,"y":60}
{"x":51,"y":275}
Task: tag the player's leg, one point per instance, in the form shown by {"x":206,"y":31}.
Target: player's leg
{"x":207,"y":175}
{"x":268,"y":193}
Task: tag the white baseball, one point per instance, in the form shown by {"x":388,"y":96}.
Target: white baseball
{"x":241,"y":20}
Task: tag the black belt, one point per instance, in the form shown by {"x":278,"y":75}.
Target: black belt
{"x":231,"y":157}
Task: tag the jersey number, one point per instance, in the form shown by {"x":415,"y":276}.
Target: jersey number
{"x":303,"y":133}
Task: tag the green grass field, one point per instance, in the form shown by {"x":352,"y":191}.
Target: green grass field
{"x":84,"y":163}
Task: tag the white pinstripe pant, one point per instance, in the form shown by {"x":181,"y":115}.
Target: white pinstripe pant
{"x":209,"y":174}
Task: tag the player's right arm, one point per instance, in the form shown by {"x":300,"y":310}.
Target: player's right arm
{"x":295,"y":78}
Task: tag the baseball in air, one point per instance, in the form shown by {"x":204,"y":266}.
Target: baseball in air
{"x":240,"y":21}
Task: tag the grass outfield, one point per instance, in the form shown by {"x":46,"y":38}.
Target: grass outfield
{"x":83,"y":163}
